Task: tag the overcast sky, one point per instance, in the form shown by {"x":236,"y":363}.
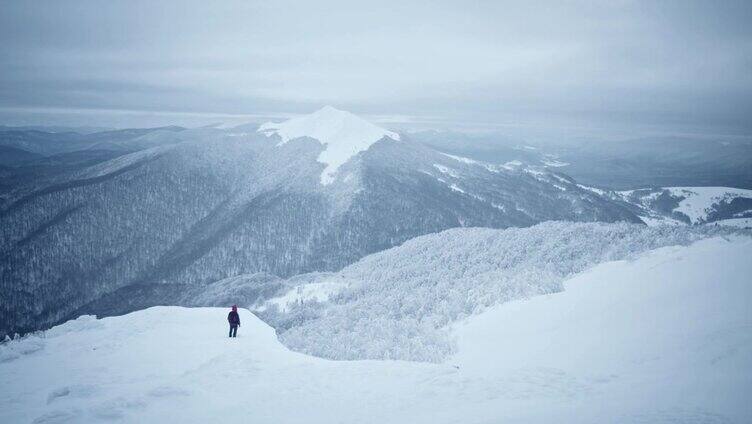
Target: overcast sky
{"x":682,"y":65}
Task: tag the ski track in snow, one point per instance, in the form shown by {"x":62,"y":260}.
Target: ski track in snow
{"x":615,"y":346}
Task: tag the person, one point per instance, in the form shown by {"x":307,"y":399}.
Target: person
{"x":234,"y":319}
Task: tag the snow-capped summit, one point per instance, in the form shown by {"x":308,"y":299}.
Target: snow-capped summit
{"x":343,"y":134}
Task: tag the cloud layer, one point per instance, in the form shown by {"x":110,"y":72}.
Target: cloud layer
{"x":683,"y":64}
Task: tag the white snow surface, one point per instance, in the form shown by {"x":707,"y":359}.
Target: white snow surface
{"x":664,"y":338}
{"x":699,"y":200}
{"x":446,"y":170}
{"x":488,"y":166}
{"x":553,"y":162}
{"x":343,"y":135}
{"x":698,"y":203}
{"x":595,"y":190}
{"x":463,"y":159}
{"x":310,"y":292}
{"x":397,"y":303}
{"x":511,"y":165}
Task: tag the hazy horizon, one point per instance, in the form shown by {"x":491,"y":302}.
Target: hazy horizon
{"x":625,"y":67}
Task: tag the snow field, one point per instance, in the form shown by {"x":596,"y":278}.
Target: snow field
{"x":664,"y":338}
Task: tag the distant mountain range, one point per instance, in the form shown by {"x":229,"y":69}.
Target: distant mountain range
{"x":49,"y":143}
{"x":192,"y":206}
{"x":688,"y":205}
{"x":623,"y":164}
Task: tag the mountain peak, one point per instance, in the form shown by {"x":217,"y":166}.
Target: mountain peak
{"x":342,"y":133}
{"x":330,"y":109}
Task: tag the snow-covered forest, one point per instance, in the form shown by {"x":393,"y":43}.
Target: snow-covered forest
{"x":398,"y":304}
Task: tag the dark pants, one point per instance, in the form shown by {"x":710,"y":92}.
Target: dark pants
{"x":233,"y":331}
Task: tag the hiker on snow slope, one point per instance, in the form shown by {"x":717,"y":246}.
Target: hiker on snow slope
{"x":234,"y":319}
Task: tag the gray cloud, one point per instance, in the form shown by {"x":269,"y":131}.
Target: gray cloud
{"x":629,"y":63}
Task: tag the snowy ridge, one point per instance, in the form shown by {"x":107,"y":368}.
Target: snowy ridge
{"x":343,"y":134}
{"x":621,"y":336}
{"x":686,"y":205}
{"x":398,"y":302}
{"x":488,"y":166}
{"x":623,"y":328}
{"x":698,"y":201}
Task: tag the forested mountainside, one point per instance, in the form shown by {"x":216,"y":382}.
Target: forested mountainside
{"x":132,"y":231}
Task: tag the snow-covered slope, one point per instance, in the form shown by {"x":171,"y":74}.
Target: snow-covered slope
{"x":699,"y":203}
{"x":688,"y":205}
{"x":343,"y":134}
{"x":396,"y":304}
{"x":661,"y":339}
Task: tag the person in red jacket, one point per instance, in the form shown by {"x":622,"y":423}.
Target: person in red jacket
{"x":234,"y":319}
